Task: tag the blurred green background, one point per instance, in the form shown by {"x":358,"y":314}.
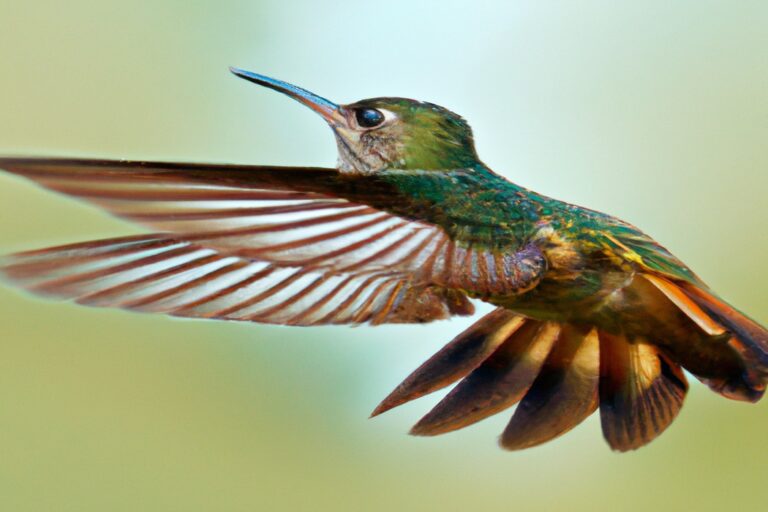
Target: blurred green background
{"x":653,"y":111}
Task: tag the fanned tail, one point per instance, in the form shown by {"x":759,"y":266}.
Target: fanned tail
{"x":558,"y":376}
{"x":560,"y":373}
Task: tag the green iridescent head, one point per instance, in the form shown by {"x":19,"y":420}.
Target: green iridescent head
{"x":387,"y":133}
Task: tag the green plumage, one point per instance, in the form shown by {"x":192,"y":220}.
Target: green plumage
{"x":481,"y":209}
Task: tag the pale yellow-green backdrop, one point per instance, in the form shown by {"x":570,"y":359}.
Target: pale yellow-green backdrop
{"x":653,"y":111}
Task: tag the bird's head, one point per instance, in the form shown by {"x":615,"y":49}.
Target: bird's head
{"x":387,"y":133}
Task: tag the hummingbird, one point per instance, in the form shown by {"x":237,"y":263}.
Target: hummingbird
{"x":410,"y":227}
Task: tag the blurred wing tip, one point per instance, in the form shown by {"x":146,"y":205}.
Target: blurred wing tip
{"x":9,"y":269}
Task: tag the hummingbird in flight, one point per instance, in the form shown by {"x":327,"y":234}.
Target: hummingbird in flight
{"x":590,"y":313}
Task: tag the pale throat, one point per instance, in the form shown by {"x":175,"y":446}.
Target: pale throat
{"x":361,"y":157}
{"x":369,"y":152}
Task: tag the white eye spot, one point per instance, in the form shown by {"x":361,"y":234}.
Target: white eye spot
{"x":388,"y":115}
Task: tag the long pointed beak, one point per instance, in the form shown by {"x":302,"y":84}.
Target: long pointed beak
{"x":329,"y":110}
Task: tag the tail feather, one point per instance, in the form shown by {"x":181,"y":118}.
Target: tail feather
{"x":731,"y":356}
{"x":747,"y":338}
{"x":562,"y":396}
{"x":498,"y":383}
{"x":454,"y":361}
{"x":641,"y":392}
{"x":739,"y":324}
{"x":560,"y":374}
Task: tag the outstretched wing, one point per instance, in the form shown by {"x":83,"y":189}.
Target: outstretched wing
{"x":318,"y":222}
{"x":159,"y":274}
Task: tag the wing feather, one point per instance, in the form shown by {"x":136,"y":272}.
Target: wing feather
{"x":157,"y":273}
{"x":316,"y":219}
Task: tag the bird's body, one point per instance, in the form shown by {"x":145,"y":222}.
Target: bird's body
{"x":590,"y":312}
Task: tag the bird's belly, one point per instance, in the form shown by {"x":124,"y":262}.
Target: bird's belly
{"x":616,"y":302}
{"x":580,"y":300}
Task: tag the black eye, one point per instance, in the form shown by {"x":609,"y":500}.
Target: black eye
{"x":369,"y":117}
